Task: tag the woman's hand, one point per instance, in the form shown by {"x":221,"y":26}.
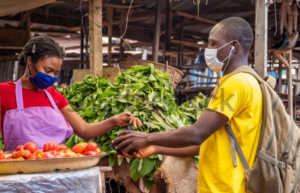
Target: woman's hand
{"x":144,"y":152}
{"x":127,"y":118}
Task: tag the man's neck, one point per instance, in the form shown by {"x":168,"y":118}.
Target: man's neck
{"x":235,"y":63}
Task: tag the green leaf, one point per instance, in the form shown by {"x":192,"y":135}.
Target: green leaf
{"x":120,"y":160}
{"x":134,"y":170}
{"x":148,"y":165}
{"x":128,"y":160}
{"x":140,"y":165}
{"x":112,"y":159}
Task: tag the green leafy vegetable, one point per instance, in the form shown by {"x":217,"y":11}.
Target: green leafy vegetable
{"x":143,"y":91}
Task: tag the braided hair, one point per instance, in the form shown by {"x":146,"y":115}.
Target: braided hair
{"x":40,"y":48}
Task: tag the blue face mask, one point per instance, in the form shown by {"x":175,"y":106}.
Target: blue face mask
{"x":42,"y":80}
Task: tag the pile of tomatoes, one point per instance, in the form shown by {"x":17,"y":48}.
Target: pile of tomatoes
{"x":30,"y":151}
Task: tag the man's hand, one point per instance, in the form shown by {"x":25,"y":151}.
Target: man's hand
{"x":127,"y":118}
{"x":144,"y":152}
{"x":133,"y":139}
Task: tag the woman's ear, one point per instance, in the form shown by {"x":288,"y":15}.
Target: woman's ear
{"x":29,"y":62}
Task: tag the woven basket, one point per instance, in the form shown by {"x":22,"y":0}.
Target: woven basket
{"x":174,"y":74}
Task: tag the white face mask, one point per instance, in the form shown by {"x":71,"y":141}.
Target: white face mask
{"x":211,"y":58}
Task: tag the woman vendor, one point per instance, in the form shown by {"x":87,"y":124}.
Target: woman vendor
{"x":32,"y":110}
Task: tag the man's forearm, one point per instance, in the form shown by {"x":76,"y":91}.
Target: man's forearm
{"x":183,"y":137}
{"x":178,"y":152}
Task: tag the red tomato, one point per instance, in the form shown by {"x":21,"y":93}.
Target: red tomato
{"x":50,"y":146}
{"x":47,"y":155}
{"x":62,"y":147}
{"x":98,"y":151}
{"x":20,"y":148}
{"x":26,"y":153}
{"x":88,"y":153}
{"x":65,"y":151}
{"x":32,"y":157}
{"x":2,"y":156}
{"x":70,"y":154}
{"x":31,"y":147}
{"x":53,"y":152}
{"x":83,"y":144}
{"x":92,"y":146}
{"x":39,"y":153}
{"x":19,"y":159}
{"x":79,"y":148}
{"x":17,"y":154}
{"x":62,"y":154}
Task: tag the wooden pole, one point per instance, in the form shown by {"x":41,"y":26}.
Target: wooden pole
{"x":95,"y":16}
{"x":180,"y":48}
{"x":290,"y":84}
{"x":81,"y":43}
{"x":261,"y":37}
{"x":110,"y":17}
{"x":168,"y":29}
{"x":122,"y":30}
{"x":155,"y":46}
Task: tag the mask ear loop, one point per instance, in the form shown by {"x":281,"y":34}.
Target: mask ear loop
{"x":218,"y":82}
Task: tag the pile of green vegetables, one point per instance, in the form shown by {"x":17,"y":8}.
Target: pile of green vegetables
{"x":143,"y":91}
{"x":192,"y":109}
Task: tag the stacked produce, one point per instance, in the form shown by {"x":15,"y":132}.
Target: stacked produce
{"x":30,"y":151}
{"x":143,"y":91}
{"x":192,"y":109}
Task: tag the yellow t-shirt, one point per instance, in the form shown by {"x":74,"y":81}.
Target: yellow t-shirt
{"x":240,"y":99}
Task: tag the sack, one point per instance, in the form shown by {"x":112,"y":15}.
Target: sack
{"x":277,"y":164}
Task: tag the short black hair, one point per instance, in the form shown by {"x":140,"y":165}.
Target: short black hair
{"x":236,"y":28}
{"x":44,"y":47}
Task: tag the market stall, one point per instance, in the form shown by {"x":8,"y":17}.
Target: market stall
{"x":171,"y":39}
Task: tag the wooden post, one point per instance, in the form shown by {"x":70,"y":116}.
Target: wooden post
{"x":261,"y":37}
{"x":87,"y":32}
{"x":122,"y":29}
{"x":28,"y":29}
{"x":168,"y":29}
{"x":280,"y":77}
{"x":81,"y":43}
{"x":110,"y":17}
{"x":155,"y":46}
{"x":95,"y":16}
{"x":290,"y":84}
{"x":180,"y":48}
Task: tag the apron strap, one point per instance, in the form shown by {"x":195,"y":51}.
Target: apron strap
{"x":19,"y":94}
{"x":51,"y":100}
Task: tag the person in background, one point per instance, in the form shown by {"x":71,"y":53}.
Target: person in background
{"x":32,"y":110}
{"x":238,"y":101}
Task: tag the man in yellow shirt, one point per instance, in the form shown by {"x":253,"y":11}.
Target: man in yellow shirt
{"x":238,"y":101}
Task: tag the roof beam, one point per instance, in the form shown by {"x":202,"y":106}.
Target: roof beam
{"x":180,"y":13}
{"x":24,"y":19}
{"x":16,"y":6}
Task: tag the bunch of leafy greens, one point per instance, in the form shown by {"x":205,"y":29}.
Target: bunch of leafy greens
{"x":192,"y":109}
{"x":143,"y":91}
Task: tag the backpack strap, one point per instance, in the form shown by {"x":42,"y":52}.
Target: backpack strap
{"x":234,"y":146}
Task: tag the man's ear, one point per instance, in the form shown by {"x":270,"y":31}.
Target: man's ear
{"x":236,"y":46}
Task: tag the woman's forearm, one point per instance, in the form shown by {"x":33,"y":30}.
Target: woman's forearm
{"x":178,"y":152}
{"x":85,"y":130}
{"x":93,"y":130}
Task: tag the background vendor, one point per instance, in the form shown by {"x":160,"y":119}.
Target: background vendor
{"x":32,"y":110}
